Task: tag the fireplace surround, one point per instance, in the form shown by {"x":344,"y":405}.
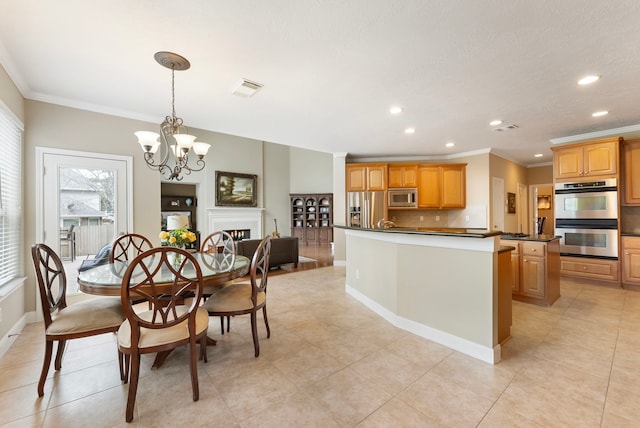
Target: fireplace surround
{"x":235,"y":218}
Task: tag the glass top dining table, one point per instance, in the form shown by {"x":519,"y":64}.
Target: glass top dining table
{"x":106,"y":280}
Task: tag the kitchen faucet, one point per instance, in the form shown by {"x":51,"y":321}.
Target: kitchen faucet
{"x":385,"y":224}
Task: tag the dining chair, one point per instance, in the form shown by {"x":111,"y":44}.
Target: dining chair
{"x":62,"y":322}
{"x":128,"y":245}
{"x":242,"y":299}
{"x":69,"y":239}
{"x":171,"y":321}
{"x":223,"y":245}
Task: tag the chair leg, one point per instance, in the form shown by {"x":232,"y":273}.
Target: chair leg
{"x":127,"y":364}
{"x":222,"y":324}
{"x":48,"y":351}
{"x":266,"y":322}
{"x":228,"y":323}
{"x":254,"y":332}
{"x":194,"y":368}
{"x":61,"y":345}
{"x":133,"y":386}
{"x":203,"y":348}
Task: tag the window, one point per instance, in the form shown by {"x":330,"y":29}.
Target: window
{"x":10,"y":197}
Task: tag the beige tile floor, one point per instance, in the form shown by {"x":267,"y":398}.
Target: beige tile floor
{"x":330,"y":362}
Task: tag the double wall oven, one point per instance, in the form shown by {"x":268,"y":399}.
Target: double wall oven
{"x":587,"y":218}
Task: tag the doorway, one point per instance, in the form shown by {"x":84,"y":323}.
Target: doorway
{"x":83,"y":200}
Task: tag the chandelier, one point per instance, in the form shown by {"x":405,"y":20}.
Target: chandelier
{"x":176,"y":144}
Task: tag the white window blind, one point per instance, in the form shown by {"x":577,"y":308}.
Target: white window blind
{"x":10,"y":198}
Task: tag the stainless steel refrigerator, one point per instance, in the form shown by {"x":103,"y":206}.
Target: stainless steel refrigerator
{"x":365,"y":209}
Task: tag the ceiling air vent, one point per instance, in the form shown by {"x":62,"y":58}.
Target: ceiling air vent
{"x":246,"y":88}
{"x":506,"y":128}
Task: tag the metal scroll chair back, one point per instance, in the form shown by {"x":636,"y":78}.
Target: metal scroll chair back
{"x":171,"y":280}
{"x":128,"y":246}
{"x":62,"y":322}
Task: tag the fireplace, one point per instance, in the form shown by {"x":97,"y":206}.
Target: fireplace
{"x":248,"y":220}
{"x":239,"y":234}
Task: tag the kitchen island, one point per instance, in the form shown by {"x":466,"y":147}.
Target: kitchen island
{"x":441,"y":284}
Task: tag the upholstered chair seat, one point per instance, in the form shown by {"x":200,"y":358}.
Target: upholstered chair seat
{"x":87,"y":316}
{"x":150,"y":338}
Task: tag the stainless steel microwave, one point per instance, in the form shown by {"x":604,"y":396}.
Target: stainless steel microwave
{"x":403,"y":198}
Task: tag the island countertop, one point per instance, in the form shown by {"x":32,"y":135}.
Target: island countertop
{"x":439,"y":231}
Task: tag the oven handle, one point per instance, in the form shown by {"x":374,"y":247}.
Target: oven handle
{"x":572,"y":223}
{"x":586,"y":190}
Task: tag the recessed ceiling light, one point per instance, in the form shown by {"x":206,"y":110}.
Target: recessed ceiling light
{"x":450,"y":144}
{"x":537,"y":155}
{"x":409,"y":131}
{"x":600,"y":113}
{"x":395,"y":110}
{"x":586,"y":80}
{"x":495,"y":122}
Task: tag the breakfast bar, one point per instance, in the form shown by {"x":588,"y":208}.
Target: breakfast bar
{"x":441,"y":284}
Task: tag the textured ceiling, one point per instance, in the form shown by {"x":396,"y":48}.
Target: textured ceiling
{"x":332,"y":69}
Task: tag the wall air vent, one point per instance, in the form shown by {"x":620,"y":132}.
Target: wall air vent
{"x":506,"y":128}
{"x":246,"y":88}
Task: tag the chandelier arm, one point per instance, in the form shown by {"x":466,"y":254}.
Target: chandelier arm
{"x":171,"y":126}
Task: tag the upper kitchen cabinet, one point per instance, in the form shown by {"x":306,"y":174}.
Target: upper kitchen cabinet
{"x":361,"y":177}
{"x":631,"y":166}
{"x":597,"y":159}
{"x":403,"y":176}
{"x":442,"y":186}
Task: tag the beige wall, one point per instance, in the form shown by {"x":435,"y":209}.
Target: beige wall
{"x":311,"y":171}
{"x":13,"y":304}
{"x":540,"y":174}
{"x":512,"y":174}
{"x":10,"y":95}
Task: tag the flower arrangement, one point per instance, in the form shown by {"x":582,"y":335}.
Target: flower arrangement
{"x":177,"y":238}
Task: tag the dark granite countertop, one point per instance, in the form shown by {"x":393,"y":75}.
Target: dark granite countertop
{"x":440,"y":231}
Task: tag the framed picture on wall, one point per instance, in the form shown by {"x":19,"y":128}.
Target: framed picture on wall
{"x":544,"y":202}
{"x":236,"y":190}
{"x":511,"y":203}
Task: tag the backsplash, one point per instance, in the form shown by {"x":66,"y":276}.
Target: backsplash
{"x":630,"y":220}
{"x":470,"y":217}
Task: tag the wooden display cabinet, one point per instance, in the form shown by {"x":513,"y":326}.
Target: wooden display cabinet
{"x":312,"y":217}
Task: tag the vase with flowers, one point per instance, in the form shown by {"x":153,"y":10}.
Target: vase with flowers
{"x":179,"y":238}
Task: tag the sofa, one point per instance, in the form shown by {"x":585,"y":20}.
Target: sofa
{"x":283,"y":250}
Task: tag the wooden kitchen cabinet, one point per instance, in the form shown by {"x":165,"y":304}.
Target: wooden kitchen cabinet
{"x":536,"y":271}
{"x":601,"y":270}
{"x":593,"y":159}
{"x":631,"y":166}
{"x":515,"y":265}
{"x":362,"y":177}
{"x":631,"y":260}
{"x":403,"y":176}
{"x":442,"y":186}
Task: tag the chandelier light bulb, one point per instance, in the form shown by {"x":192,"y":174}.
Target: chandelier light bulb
{"x":200,"y":149}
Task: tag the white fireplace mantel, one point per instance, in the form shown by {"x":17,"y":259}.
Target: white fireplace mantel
{"x":232,"y":218}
